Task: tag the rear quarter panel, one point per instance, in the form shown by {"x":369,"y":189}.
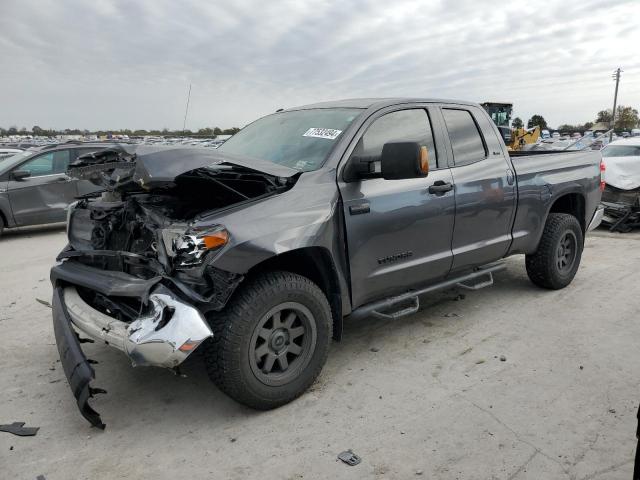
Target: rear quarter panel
{"x":542,"y":180}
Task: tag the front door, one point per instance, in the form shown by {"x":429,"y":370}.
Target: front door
{"x":44,"y":195}
{"x":398,"y":233}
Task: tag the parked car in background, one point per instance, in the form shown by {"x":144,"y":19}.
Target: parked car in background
{"x":621,"y":196}
{"x":635,"y":132}
{"x":34,"y":186}
{"x":545,"y":134}
{"x":8,"y":152}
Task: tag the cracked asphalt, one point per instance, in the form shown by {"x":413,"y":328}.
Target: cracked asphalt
{"x":428,"y":396}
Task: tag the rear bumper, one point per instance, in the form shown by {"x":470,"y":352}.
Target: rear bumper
{"x":597,"y":218}
{"x":164,"y":335}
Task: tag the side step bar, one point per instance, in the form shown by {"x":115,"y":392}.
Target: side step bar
{"x":410,"y":300}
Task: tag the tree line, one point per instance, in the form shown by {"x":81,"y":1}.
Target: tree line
{"x":626,"y":119}
{"x":203,"y":132}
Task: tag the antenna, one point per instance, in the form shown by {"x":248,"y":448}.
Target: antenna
{"x":616,"y":77}
{"x":186,"y":110}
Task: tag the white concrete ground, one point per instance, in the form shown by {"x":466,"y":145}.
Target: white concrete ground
{"x":423,"y":397}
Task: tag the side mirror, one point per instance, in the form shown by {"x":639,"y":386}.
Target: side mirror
{"x":403,"y":160}
{"x":20,"y":174}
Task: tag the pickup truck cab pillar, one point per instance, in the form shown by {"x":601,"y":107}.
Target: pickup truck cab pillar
{"x":483,"y":177}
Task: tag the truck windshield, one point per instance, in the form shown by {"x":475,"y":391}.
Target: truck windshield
{"x":299,"y":139}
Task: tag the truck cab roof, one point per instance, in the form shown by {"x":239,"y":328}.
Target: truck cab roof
{"x":376,"y":103}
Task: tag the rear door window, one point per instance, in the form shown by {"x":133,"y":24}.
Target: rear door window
{"x":466,"y":140}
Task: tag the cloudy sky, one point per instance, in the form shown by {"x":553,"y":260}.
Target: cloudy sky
{"x":127,"y":64}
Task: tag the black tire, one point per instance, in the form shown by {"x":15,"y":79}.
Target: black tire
{"x":556,"y":261}
{"x":1,"y":225}
{"x":233,"y":358}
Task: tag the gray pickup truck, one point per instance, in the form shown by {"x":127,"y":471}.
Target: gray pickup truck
{"x":255,"y":253}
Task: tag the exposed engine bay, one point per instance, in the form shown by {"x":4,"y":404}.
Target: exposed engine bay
{"x":149,"y":223}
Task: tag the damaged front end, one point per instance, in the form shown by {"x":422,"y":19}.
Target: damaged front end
{"x":164,"y":335}
{"x":621,"y":209}
{"x":137,"y":273}
{"x":621,"y":195}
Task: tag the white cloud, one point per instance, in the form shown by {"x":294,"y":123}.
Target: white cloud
{"x":119,"y":64}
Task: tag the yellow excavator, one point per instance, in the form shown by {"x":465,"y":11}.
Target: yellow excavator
{"x":515,"y":138}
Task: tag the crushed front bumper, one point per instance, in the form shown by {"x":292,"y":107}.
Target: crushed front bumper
{"x":621,"y":209}
{"x":164,"y":336}
{"x":77,"y":368}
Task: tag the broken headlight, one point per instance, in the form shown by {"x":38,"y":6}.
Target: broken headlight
{"x":191,"y":247}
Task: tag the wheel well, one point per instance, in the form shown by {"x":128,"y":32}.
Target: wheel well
{"x":573,"y":204}
{"x":316,"y":264}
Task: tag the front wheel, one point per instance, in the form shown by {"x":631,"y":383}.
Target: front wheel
{"x":556,"y":261}
{"x":271,"y":341}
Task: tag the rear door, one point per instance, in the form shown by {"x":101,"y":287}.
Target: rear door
{"x":484,"y":185}
{"x":44,"y":195}
{"x":398,"y":234}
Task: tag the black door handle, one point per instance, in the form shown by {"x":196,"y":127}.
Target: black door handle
{"x":440,"y":187}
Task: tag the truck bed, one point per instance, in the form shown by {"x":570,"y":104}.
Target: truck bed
{"x":546,"y":175}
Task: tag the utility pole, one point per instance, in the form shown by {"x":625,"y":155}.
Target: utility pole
{"x":616,"y":77}
{"x":184,"y":124}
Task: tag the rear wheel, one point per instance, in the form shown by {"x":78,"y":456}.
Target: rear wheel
{"x":271,"y":341}
{"x":556,"y":261}
{"x":1,"y":225}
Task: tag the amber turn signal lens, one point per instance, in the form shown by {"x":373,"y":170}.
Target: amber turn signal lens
{"x":216,"y":240}
{"x":188,"y":346}
{"x":424,"y":160}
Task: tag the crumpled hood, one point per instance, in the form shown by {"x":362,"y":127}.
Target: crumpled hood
{"x":152,"y":167}
{"x":622,"y":172}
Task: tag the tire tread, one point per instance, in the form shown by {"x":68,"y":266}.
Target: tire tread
{"x":235,"y":321}
{"x":540,"y":265}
